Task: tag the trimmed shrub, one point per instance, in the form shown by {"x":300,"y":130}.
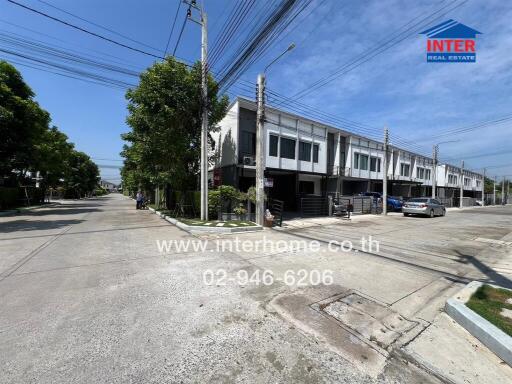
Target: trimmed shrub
{"x":8,"y":197}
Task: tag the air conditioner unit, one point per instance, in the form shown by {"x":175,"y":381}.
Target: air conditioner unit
{"x":249,"y":160}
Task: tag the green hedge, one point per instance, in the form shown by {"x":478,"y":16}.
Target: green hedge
{"x":13,"y":197}
{"x":8,"y":197}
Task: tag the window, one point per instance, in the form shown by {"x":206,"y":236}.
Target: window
{"x":374,"y":164}
{"x":420,"y":173}
{"x":404,"y":169}
{"x":360,"y":161}
{"x":272,"y":148}
{"x":248,"y":143}
{"x":478,"y":183}
{"x":316,"y":149}
{"x":427,"y":174}
{"x":452,"y":179}
{"x":307,"y":187}
{"x":356,"y":160}
{"x":287,"y":148}
{"x":363,"y":164}
{"x":467,"y":182}
{"x":304,"y":151}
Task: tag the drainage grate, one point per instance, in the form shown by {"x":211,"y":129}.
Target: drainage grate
{"x":373,"y":321}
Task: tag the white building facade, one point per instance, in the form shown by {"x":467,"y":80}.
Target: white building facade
{"x":305,"y":157}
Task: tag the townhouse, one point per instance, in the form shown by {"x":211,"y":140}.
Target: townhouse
{"x":304,"y":157}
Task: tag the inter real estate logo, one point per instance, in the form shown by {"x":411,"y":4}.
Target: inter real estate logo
{"x":451,"y":42}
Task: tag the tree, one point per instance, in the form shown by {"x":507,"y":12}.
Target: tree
{"x":165,"y":119}
{"x":52,"y":155}
{"x":22,"y":124}
{"x":29,"y":144}
{"x":81,"y":176}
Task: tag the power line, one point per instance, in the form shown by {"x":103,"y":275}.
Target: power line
{"x":181,"y":32}
{"x":173,"y":24}
{"x":380,"y":47}
{"x":85,"y":30}
{"x":98,"y":25}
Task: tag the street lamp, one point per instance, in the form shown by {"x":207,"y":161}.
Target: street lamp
{"x":435,"y":153}
{"x":260,"y":151}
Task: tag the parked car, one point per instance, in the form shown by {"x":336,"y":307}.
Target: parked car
{"x":394,"y":203}
{"x":423,"y":206}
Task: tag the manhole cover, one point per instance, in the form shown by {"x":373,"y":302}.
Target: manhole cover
{"x":373,"y":321}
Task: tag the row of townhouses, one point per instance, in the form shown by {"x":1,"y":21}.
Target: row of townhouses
{"x":305,"y":157}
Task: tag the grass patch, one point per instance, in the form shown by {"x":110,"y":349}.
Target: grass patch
{"x":488,"y":302}
{"x":214,"y":223}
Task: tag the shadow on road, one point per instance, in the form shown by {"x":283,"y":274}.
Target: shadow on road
{"x":61,"y":211}
{"x":35,"y":225}
{"x":494,"y":277}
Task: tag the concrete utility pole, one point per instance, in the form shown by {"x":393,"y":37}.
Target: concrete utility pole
{"x":260,"y":141}
{"x":503,"y":191}
{"x":435,"y":151}
{"x":385,"y":173}
{"x":483,"y":190}
{"x":494,"y":192}
{"x":204,"y":128}
{"x":260,"y":151}
{"x":461,"y":199}
{"x":204,"y":97}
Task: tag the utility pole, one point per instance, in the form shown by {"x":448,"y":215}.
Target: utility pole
{"x":503,"y":191}
{"x":260,"y":152}
{"x":204,"y":99}
{"x":494,"y":192}
{"x":260,"y":140}
{"x":483,"y":190}
{"x":385,"y":173}
{"x":461,"y":199}
{"x":435,"y":151}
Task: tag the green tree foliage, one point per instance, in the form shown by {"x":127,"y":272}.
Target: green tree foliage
{"x":22,"y":123}
{"x":28,"y":144}
{"x":165,"y":120}
{"x":81,"y":175}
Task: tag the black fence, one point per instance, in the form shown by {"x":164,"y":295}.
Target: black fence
{"x":276,"y":208}
{"x":314,"y":206}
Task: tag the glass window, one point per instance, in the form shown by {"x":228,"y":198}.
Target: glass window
{"x":304,"y":151}
{"x":316,"y":149}
{"x":356,"y":160}
{"x":427,"y":174}
{"x":287,"y":148}
{"x":363,"y":162}
{"x":272,"y":148}
{"x":404,"y":169}
{"x":373,"y":164}
{"x":248,"y":143}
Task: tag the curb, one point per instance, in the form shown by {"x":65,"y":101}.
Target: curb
{"x":200,"y":228}
{"x":491,"y":336}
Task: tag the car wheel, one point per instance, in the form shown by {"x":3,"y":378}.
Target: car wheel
{"x":406,"y":214}
{"x":432,"y":213}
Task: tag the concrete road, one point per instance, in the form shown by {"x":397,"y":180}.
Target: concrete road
{"x":86,"y":297}
{"x":419,"y":264}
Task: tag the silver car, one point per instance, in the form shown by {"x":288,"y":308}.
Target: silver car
{"x":423,"y":206}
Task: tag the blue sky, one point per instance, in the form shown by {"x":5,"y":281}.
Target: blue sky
{"x":397,"y":88}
